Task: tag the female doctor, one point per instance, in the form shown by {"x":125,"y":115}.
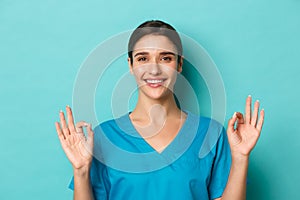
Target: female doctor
{"x":155,"y":58}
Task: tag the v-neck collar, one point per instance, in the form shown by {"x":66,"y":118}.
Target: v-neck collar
{"x":172,"y":147}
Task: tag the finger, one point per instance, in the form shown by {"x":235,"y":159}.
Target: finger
{"x":261,"y":120}
{"x":255,"y":113}
{"x":59,"y":131}
{"x":240,"y":118}
{"x":70,"y":119}
{"x":248,"y":110}
{"x":231,"y":122}
{"x":64,"y":124}
{"x":79,"y":127}
{"x":90,"y":138}
{"x":90,"y":132}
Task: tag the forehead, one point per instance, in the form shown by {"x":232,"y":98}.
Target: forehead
{"x":155,"y":42}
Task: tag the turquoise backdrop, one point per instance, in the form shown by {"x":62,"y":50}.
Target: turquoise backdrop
{"x":255,"y":45}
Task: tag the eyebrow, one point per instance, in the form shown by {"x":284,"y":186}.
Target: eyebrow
{"x":162,"y":53}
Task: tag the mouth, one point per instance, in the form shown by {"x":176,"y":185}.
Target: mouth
{"x":154,"y":83}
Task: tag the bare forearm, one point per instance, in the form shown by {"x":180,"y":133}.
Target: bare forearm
{"x":236,"y":185}
{"x":82,"y":185}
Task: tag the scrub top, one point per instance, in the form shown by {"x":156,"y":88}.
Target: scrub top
{"x":195,"y":165}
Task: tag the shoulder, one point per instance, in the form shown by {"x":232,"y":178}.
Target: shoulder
{"x":116,"y":130}
{"x":210,"y":134}
{"x":113,"y":124}
{"x":205,"y":123}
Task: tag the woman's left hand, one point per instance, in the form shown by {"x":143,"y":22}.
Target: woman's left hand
{"x":243,"y":137}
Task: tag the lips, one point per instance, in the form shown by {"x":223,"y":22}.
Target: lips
{"x":151,"y":81}
{"x":154,"y":83}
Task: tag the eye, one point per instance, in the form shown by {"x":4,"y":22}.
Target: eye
{"x":167,"y":58}
{"x":141,"y":59}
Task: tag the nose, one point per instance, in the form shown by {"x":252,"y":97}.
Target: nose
{"x":154,"y":69}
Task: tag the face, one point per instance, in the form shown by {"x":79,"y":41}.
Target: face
{"x":155,"y":66}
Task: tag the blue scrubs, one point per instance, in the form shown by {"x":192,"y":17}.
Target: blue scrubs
{"x":196,"y":163}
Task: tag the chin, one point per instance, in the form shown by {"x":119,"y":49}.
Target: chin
{"x":159,"y":95}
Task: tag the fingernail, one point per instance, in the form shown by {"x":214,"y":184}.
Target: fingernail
{"x":257,"y":100}
{"x":234,"y":114}
{"x":68,"y":106}
{"x":249,"y":95}
{"x":60,"y":111}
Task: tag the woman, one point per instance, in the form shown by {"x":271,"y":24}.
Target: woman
{"x":155,"y":58}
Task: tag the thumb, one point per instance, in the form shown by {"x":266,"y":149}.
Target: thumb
{"x":90,"y":134}
{"x":88,"y":143}
{"x":231,"y":122}
{"x":233,"y":138}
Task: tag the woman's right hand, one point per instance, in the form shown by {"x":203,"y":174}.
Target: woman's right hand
{"x":77,"y":147}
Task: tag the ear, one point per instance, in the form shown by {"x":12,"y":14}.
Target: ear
{"x":130,"y":65}
{"x":179,"y":68}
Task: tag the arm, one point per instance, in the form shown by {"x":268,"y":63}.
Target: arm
{"x":236,"y":185}
{"x":78,"y":148}
{"x":242,"y":140}
{"x":82,"y":184}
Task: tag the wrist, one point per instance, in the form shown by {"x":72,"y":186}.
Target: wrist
{"x":82,"y":172}
{"x":239,"y":158}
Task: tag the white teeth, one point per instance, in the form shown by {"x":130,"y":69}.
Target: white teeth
{"x":154,"y":81}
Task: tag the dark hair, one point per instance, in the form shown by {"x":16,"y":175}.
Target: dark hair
{"x":155,"y":27}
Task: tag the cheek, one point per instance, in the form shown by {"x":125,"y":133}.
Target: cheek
{"x":138,"y":72}
{"x":139,"y":69}
{"x":171,"y":70}
{"x":172,"y":66}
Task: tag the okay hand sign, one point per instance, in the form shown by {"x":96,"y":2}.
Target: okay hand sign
{"x":243,"y":137}
{"x":77,"y":147}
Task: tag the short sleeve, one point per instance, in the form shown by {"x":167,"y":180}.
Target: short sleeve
{"x":99,"y":180}
{"x":221,"y":167}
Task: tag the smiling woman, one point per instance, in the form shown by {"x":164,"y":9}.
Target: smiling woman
{"x":157,"y":125}
{"x":155,"y":65}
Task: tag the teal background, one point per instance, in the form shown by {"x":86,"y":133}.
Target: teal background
{"x":255,"y":45}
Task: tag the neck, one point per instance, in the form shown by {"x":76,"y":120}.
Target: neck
{"x":165,"y":106}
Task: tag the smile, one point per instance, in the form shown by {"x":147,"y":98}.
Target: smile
{"x":154,"y":81}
